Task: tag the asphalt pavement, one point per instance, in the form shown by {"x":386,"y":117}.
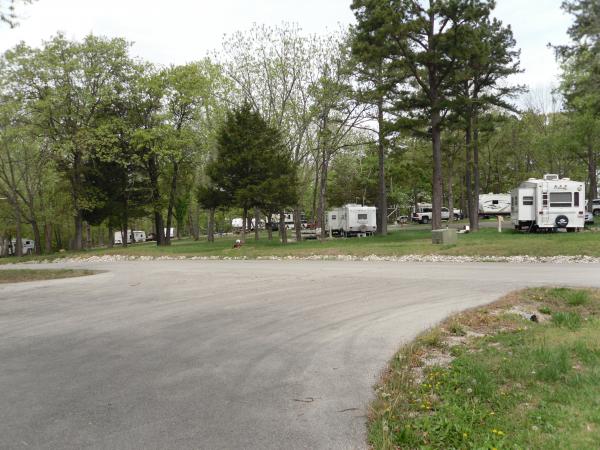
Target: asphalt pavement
{"x":224,"y":354}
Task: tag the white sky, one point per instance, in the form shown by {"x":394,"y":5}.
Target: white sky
{"x":178,"y":31}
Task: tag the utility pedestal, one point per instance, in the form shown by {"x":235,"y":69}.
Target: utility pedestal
{"x":444,"y":236}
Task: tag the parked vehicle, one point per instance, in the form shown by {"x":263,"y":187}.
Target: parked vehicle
{"x":550,"y":203}
{"x":237,"y":223}
{"x":589,"y":217}
{"x":352,"y":220}
{"x":596,"y":206}
{"x":424,"y":212}
{"x":494,"y":204}
{"x":28,"y":246}
{"x":132,"y":237}
{"x":290,"y":223}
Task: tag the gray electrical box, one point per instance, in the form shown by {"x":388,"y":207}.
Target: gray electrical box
{"x":444,"y":236}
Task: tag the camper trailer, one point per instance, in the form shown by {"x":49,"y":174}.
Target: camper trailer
{"x":290,"y":223}
{"x":494,"y":204}
{"x":551,"y":203}
{"x":333,"y":221}
{"x":28,"y":246}
{"x":237,"y":224}
{"x":133,"y":236}
{"x":352,"y":220}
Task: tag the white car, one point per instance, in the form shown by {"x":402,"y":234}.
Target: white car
{"x":596,"y":206}
{"x":589,"y":217}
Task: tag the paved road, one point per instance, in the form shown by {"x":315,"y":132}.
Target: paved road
{"x":223,"y":354}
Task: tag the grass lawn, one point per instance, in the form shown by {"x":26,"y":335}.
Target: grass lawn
{"x":490,"y":378}
{"x":19,"y":275}
{"x":400,"y":242}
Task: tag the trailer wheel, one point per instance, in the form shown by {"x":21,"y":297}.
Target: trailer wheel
{"x":596,"y":212}
{"x":425,"y":220}
{"x":562,"y":221}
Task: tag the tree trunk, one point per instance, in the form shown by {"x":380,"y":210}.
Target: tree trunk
{"x":436,"y":198}
{"x":381,"y":192}
{"x":88,"y":234}
{"x":472,"y":207}
{"x":47,"y":238}
{"x":256,"y":222}
{"x":37,"y":237}
{"x":322,"y":194}
{"x":476,"y":171}
{"x":78,"y":243}
{"x":153,"y":176}
{"x":171,"y":204}
{"x":75,"y":191}
{"x":450,"y":192}
{"x":244,"y":223}
{"x":592,"y":177}
{"x":282,"y":228}
{"x":18,"y":250}
{"x":111,"y":236}
{"x":211,"y":225}
{"x":315,"y":210}
{"x":269,"y":225}
{"x":297,"y":223}
{"x":194,"y":219}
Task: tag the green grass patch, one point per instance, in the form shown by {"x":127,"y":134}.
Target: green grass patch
{"x":569,"y":319}
{"x":20,"y":275}
{"x":509,"y":383}
{"x":413,"y":241}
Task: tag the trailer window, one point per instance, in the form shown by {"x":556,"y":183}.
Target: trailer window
{"x":576,"y":199}
{"x":362,"y":217}
{"x":495,"y":202}
{"x":560,"y":199}
{"x":527,"y":201}
{"x":333,"y":217}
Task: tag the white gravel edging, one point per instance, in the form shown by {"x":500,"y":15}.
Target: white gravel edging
{"x":559,"y":259}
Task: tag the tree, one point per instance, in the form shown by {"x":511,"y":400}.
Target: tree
{"x":64,"y":87}
{"x":275,"y":70}
{"x":580,"y":82}
{"x":249,"y":163}
{"x":8,"y":14}
{"x":211,"y":198}
{"x":377,"y":75}
{"x":426,"y":41}
{"x":489,"y":58}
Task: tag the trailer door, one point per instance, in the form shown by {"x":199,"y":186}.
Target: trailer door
{"x":545,"y":209}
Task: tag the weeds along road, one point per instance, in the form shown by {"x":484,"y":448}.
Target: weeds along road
{"x":223,"y":354}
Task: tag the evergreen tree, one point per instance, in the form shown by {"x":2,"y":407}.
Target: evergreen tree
{"x":251,"y":166}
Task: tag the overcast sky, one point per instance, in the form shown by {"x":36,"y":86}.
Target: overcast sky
{"x":178,"y":31}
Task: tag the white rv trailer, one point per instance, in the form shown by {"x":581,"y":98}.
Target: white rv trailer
{"x":494,"y":204}
{"x":352,"y":220}
{"x":237,"y":223}
{"x":550,"y":203}
{"x":333,"y":221}
{"x":290,"y":223}
{"x":28,"y":246}
{"x":133,"y":236}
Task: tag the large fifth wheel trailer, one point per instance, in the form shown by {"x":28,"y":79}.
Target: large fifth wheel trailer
{"x":550,"y":204}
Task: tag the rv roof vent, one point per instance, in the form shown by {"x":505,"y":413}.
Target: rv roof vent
{"x":566,"y":179}
{"x":532,"y":179}
{"x":551,"y":177}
